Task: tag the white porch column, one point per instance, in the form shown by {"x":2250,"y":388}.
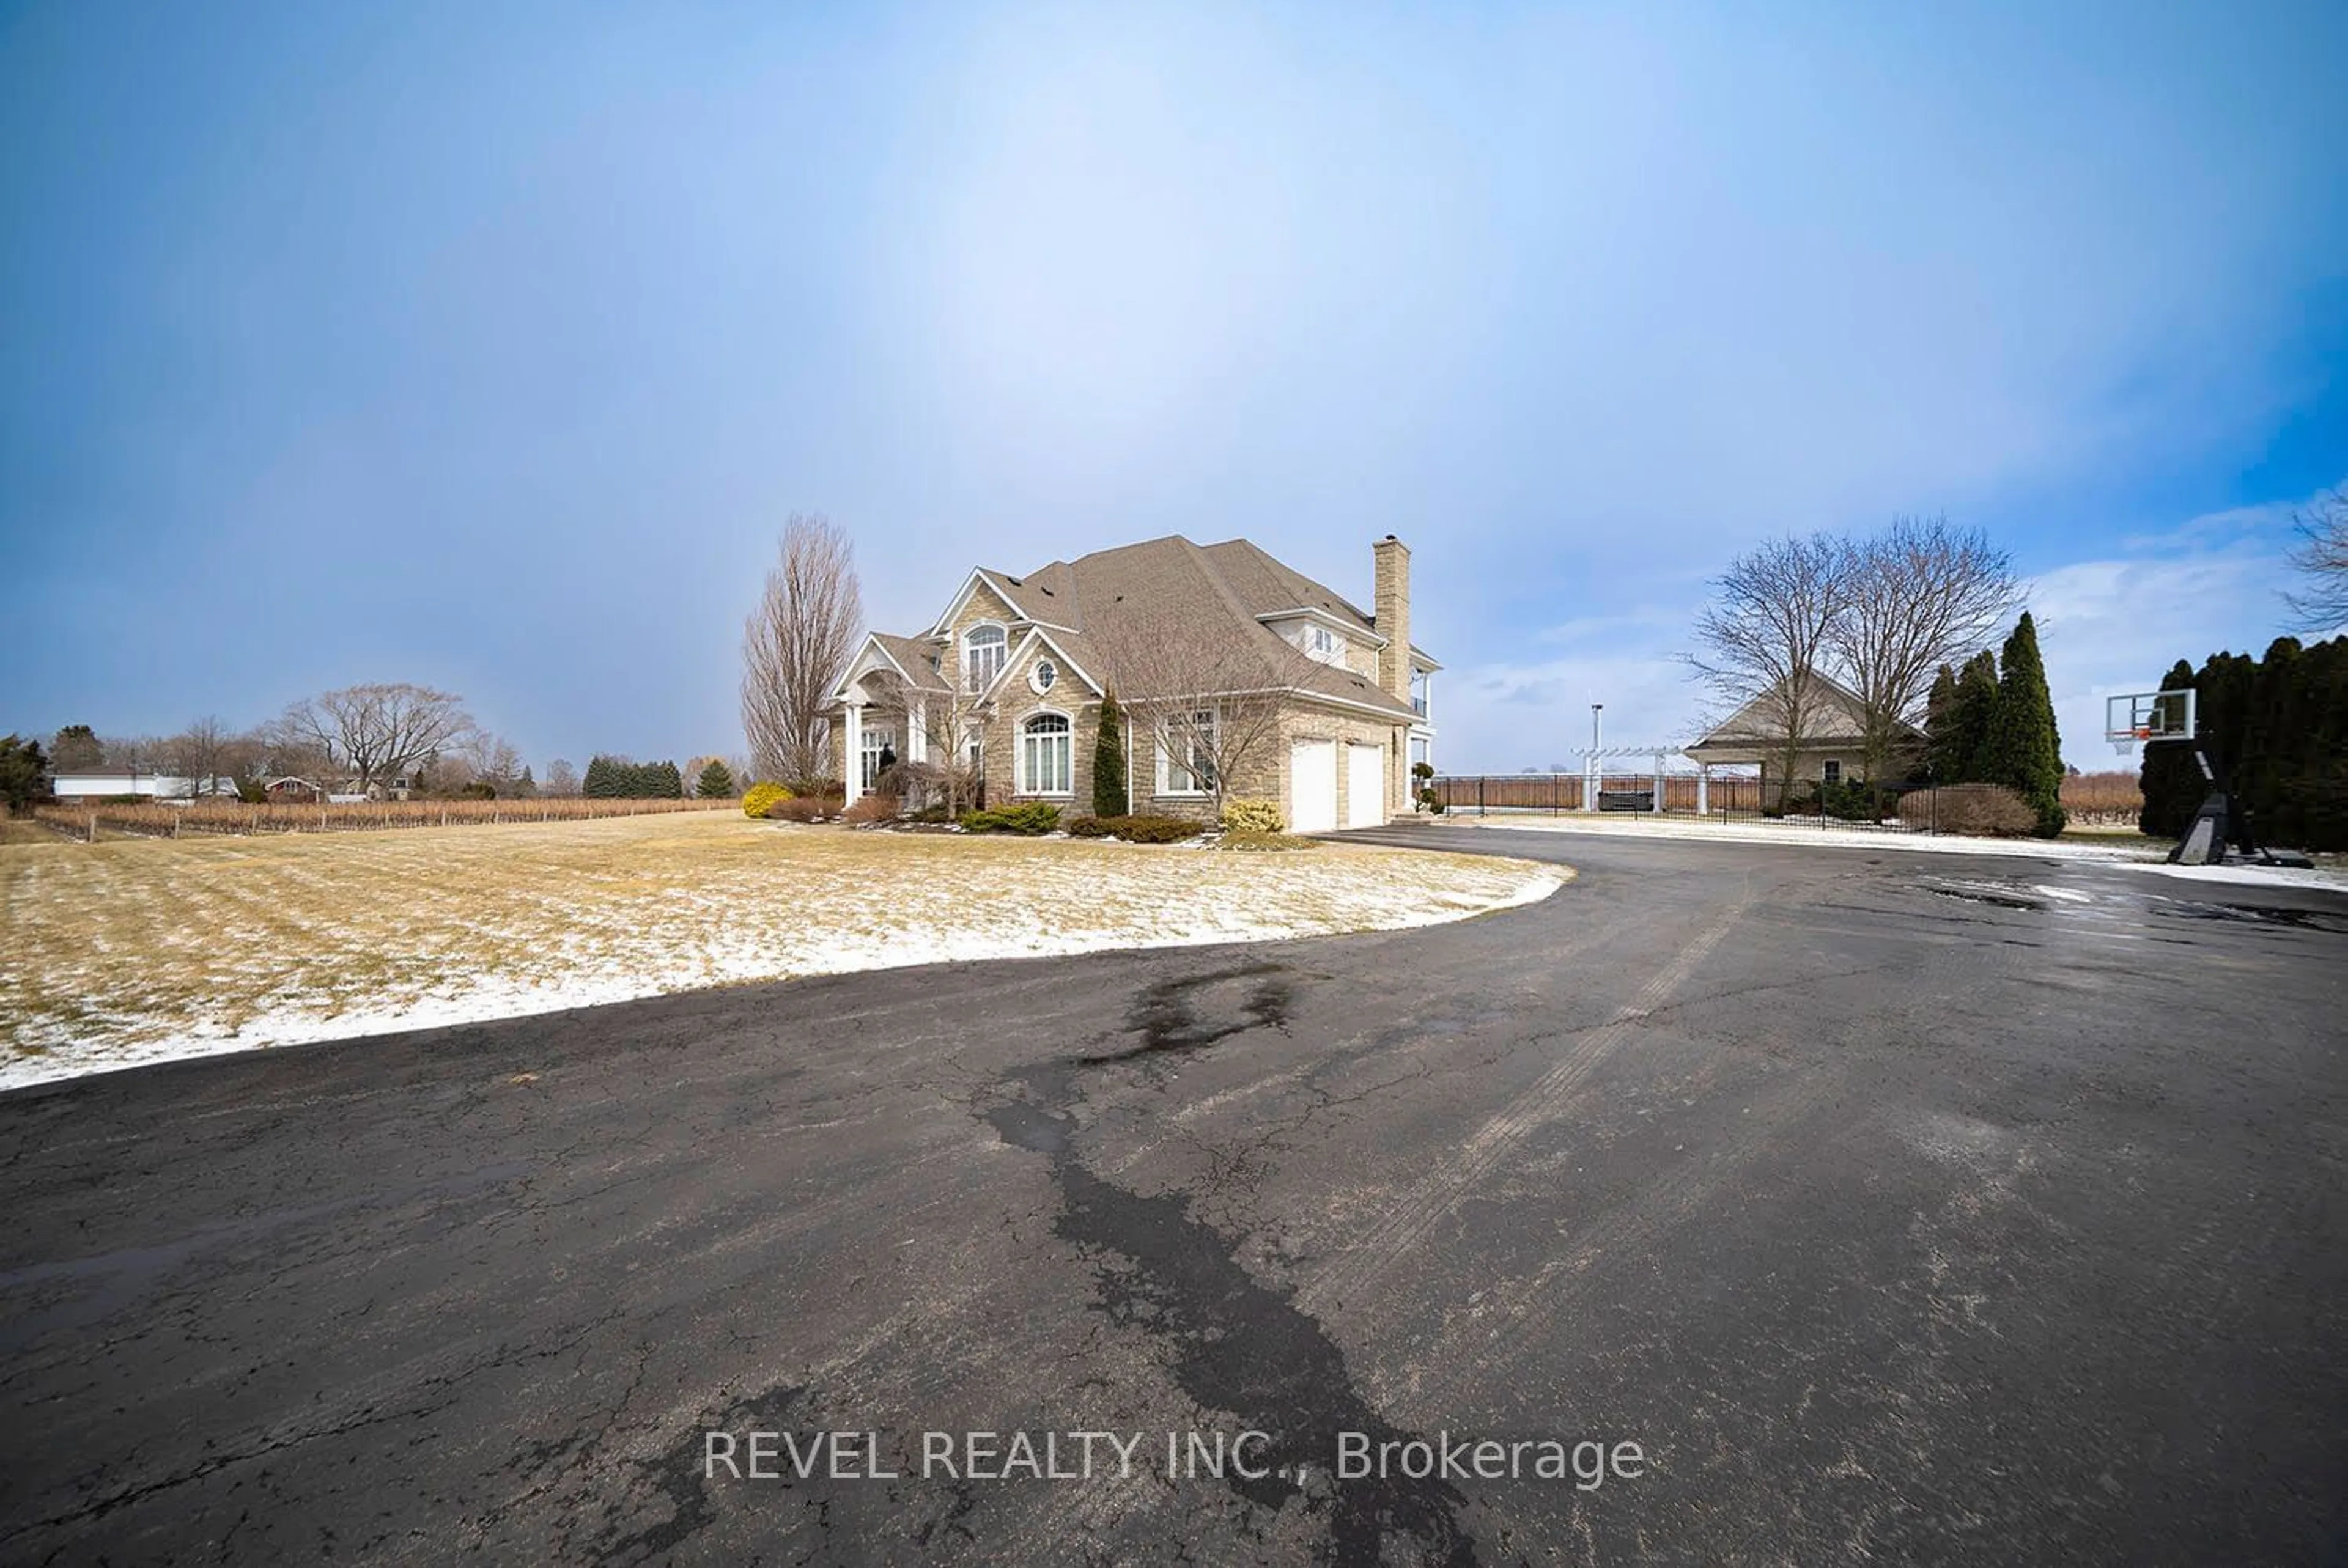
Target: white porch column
{"x":1704,"y":789}
{"x":917,"y":733}
{"x":851,"y":757}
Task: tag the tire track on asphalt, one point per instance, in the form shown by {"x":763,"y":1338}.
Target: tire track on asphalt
{"x":1441,"y":1191}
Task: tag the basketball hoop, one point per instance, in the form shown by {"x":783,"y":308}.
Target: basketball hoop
{"x":2138,"y":718}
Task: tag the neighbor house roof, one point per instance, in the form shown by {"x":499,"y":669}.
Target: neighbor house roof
{"x":1838,"y":720}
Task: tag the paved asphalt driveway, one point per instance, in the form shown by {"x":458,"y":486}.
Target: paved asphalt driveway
{"x":1898,"y":1208}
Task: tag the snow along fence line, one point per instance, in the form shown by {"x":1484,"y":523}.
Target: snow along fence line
{"x":153,"y":820}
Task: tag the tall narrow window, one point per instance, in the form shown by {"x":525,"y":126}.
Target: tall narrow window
{"x":1190,"y":754}
{"x":875,"y":741}
{"x":1046,"y":755}
{"x":984,"y":648}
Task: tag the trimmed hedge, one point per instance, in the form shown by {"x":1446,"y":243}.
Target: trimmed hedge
{"x":1992,"y":811}
{"x":1033,"y":817}
{"x":1137,"y":829}
{"x":1253,"y":816}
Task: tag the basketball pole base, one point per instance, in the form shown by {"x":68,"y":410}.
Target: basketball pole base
{"x":2203,"y":842}
{"x":2215,"y":825}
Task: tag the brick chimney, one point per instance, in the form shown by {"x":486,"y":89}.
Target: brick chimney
{"x":1391,"y":606}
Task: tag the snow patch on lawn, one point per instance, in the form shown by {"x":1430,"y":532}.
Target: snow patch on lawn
{"x":673,"y":906}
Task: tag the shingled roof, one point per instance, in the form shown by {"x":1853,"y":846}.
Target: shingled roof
{"x":1213,"y":590}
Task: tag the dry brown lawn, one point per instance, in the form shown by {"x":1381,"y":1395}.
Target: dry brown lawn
{"x":132,"y":950}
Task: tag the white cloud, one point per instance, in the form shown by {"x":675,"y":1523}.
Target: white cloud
{"x":2105,"y":626}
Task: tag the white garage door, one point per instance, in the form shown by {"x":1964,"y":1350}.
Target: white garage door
{"x":1313,"y":786}
{"x":1365,"y":786}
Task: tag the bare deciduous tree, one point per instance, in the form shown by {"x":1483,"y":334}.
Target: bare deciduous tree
{"x":492,"y":759}
{"x":1767,"y":638}
{"x":378,"y":732}
{"x":949,"y":720}
{"x":203,"y":753}
{"x":1208,"y":701}
{"x":2322,"y":559}
{"x":562,"y":779}
{"x":794,"y":646}
{"x":1917,"y":595}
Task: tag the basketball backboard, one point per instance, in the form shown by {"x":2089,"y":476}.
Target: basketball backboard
{"x":2136,"y":718}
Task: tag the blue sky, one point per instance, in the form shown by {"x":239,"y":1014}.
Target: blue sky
{"x":488,"y":346}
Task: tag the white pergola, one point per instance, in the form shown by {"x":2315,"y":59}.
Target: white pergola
{"x":1593,"y":759}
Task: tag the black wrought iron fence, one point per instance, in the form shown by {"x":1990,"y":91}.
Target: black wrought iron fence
{"x":1728,"y":797}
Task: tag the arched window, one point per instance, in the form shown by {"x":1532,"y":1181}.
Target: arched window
{"x":1046,"y":756}
{"x":984,"y":648}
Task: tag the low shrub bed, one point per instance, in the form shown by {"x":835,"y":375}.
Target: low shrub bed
{"x":1260,"y":841}
{"x":1137,"y":829}
{"x":1990,"y":809}
{"x":1253,"y":816}
{"x":871,"y":810}
{"x":761,"y":798}
{"x":805,"y":809}
{"x":1032,"y":817}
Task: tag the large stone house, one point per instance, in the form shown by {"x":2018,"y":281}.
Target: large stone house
{"x":1198,"y":642}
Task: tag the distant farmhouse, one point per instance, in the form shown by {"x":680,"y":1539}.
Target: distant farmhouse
{"x":1008,"y":682}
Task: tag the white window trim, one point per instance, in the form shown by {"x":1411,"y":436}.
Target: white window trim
{"x":1035,"y":682}
{"x":969,"y":688}
{"x":1166,"y":766}
{"x":868,"y":751}
{"x":1020,"y":782}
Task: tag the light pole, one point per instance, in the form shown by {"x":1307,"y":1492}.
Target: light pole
{"x":1590,"y":776}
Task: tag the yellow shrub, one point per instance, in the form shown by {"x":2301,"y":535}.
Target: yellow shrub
{"x":762,"y":798}
{"x":1253,"y":816}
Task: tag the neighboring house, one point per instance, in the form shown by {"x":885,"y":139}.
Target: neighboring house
{"x":103,"y":783}
{"x":293,"y":790}
{"x":1832,"y":748}
{"x":1015,"y":667}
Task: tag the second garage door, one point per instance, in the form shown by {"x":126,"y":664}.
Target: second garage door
{"x":1365,"y":786}
{"x":1313,"y":786}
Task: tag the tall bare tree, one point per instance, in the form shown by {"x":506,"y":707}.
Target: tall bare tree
{"x":377,"y":733}
{"x":1767,"y":637}
{"x":2320,"y":559}
{"x":1206,"y":695}
{"x":795,"y":645}
{"x":1919,"y":594}
{"x":562,"y":779}
{"x":492,"y":760}
{"x":202,"y":753}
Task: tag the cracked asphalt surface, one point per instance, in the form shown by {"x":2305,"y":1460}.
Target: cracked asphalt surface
{"x":1900,"y":1208}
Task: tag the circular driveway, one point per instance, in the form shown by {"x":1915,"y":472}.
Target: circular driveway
{"x":1736,"y":1204}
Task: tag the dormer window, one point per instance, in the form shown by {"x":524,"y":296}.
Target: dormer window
{"x":1321,"y":643}
{"x":983,"y":649}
